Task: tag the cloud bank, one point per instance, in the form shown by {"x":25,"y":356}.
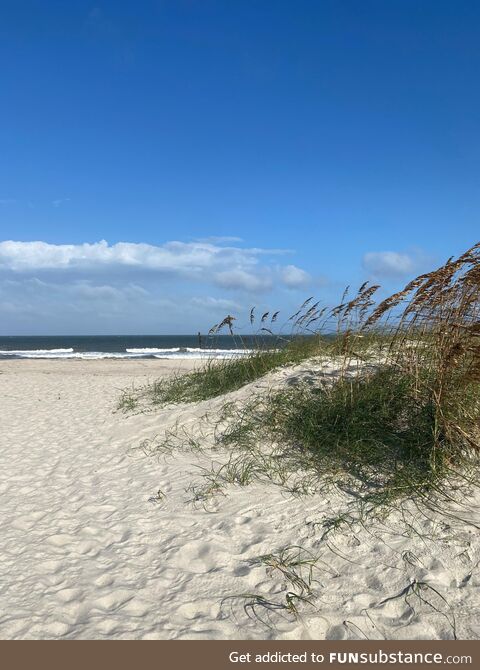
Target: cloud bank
{"x":229,"y":267}
{"x":120,"y":283}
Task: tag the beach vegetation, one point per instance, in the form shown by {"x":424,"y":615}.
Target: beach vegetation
{"x":395,"y":415}
{"x":402,"y":414}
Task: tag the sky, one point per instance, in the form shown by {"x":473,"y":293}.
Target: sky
{"x":164,"y":163}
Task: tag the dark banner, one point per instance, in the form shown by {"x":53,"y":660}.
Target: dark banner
{"x":222,"y":655}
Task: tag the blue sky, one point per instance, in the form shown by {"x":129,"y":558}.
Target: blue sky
{"x":165,"y":162}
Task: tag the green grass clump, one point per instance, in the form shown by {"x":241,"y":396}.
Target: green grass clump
{"x":376,"y":428}
{"x":217,"y":377}
{"x":378,"y":433}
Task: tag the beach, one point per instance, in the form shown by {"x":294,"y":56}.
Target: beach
{"x":91,"y":550}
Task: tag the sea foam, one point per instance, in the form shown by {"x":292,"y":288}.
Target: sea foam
{"x":133,"y":353}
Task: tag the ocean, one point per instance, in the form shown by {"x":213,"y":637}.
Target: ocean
{"x":89,"y":347}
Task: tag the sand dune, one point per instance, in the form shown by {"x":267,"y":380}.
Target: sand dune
{"x":87,"y":551}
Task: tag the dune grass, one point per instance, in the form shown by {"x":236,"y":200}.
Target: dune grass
{"x":399,"y":418}
{"x":375,"y":432}
{"x":402,"y":417}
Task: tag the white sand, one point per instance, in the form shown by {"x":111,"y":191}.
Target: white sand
{"x":84,"y":553}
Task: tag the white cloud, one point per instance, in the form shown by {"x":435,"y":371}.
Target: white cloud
{"x":231,"y":267}
{"x":239,"y":279}
{"x":294,"y":277}
{"x":389,"y":263}
{"x":172,"y":256}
